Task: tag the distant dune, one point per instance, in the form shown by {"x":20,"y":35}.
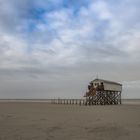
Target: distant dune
{"x":131,"y":101}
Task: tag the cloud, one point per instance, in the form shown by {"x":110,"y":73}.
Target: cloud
{"x":66,"y":44}
{"x":131,"y":89}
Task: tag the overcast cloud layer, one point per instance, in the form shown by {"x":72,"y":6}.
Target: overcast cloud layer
{"x":53,"y":48}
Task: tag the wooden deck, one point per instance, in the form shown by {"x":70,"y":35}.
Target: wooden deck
{"x":69,"y":101}
{"x":101,"y":98}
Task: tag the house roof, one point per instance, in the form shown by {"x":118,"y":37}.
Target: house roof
{"x":106,"y":81}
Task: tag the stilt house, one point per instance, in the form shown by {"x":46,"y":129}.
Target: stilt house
{"x":103,"y":92}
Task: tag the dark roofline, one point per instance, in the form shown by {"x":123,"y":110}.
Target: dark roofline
{"x":106,"y":81}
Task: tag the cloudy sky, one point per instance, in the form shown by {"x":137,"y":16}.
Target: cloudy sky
{"x":53,"y":48}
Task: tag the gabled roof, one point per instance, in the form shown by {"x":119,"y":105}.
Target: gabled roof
{"x":106,"y":81}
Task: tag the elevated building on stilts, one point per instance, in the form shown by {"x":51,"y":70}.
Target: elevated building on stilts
{"x":103,"y":92}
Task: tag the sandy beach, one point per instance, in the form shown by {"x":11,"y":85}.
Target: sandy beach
{"x":42,"y":121}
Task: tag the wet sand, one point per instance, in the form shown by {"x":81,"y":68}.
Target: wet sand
{"x":42,"y":121}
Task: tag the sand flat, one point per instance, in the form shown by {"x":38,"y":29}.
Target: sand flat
{"x":42,"y":121}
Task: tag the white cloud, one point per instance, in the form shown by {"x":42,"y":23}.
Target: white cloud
{"x":131,"y":89}
{"x":12,"y":50}
{"x":101,"y":10}
{"x":101,"y":37}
